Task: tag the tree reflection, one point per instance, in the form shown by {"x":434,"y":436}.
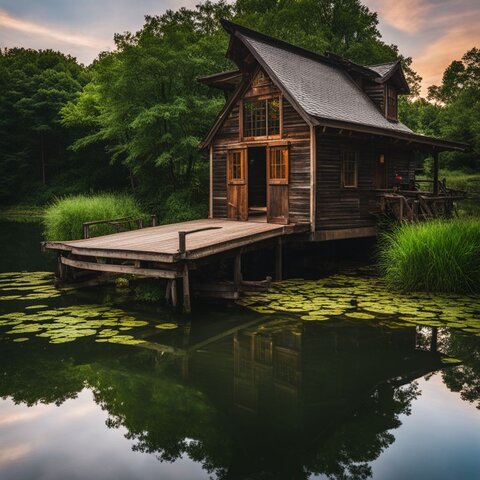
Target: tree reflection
{"x":464,"y":378}
{"x":280,"y":400}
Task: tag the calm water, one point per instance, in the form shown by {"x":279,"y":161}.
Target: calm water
{"x":227,"y":393}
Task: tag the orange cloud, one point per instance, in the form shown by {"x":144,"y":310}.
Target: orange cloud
{"x":406,"y":15}
{"x":7,"y":21}
{"x":437,"y":55}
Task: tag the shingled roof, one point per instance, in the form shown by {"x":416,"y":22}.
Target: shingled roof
{"x":320,"y":87}
{"x":323,"y":91}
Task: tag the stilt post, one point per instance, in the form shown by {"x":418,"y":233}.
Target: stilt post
{"x":237,"y":271}
{"x":278,"y":260}
{"x":187,"y":308}
{"x":174,"y":292}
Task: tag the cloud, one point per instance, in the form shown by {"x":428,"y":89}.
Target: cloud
{"x":406,"y":15}
{"x":437,"y":55}
{"x":8,"y":21}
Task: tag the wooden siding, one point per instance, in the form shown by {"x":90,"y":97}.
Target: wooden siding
{"x":295,"y":130}
{"x":227,"y":135}
{"x":294,"y":127}
{"x":339,"y":207}
{"x":377,"y":93}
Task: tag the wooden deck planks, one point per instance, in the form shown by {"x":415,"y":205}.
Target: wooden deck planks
{"x":161,"y":242}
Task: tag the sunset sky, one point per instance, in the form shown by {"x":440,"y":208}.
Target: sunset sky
{"x":433,"y":32}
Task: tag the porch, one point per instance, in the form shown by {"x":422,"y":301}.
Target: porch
{"x":430,"y":199}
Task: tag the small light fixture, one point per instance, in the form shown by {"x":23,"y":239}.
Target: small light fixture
{"x":381,"y":159}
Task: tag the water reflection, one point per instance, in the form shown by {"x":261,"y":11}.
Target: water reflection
{"x":282,"y":399}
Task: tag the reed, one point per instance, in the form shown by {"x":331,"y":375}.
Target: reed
{"x":435,"y":256}
{"x":64,"y":218}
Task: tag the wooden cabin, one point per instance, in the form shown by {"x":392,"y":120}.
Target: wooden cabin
{"x":315,"y":140}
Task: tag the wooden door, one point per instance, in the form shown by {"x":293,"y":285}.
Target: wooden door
{"x":237,"y":194}
{"x":277,"y":184}
{"x":381,"y":172}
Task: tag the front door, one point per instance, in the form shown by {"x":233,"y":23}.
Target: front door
{"x":277,"y":184}
{"x":237,"y":195}
{"x":381,"y":172}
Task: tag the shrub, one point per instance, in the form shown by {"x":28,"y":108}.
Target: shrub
{"x":182,"y":206}
{"x":64,"y":218}
{"x":436,"y":256}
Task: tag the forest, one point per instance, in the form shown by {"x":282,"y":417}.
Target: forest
{"x":131,"y":122}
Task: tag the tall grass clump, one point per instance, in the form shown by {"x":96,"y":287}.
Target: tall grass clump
{"x":64,"y":218}
{"x":436,"y":256}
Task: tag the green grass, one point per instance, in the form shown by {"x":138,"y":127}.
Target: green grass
{"x":436,"y":256}
{"x":64,"y":218}
{"x":22,"y":213}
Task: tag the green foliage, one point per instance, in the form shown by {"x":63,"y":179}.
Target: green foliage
{"x":64,"y":218}
{"x":455,"y":113}
{"x":436,"y":256}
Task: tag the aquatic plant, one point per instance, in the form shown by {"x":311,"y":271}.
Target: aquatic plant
{"x":435,"y":256}
{"x":353,"y":298}
{"x":64,"y":218}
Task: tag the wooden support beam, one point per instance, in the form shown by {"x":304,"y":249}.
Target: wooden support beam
{"x":168,"y":291}
{"x":435,"y":173}
{"x":109,"y":267}
{"x":174,"y":292}
{"x":187,"y":308}
{"x":278,"y":260}
{"x":237,"y":271}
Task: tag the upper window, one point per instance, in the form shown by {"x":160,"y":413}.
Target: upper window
{"x":261,"y":118}
{"x":349,"y":170}
{"x":391,"y":103}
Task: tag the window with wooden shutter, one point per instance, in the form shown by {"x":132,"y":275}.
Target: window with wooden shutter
{"x":278,"y":165}
{"x":236,"y":166}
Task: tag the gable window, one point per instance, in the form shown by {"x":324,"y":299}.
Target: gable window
{"x":349,"y":169}
{"x":261,"y":117}
{"x":260,"y":79}
{"x":391,"y":103}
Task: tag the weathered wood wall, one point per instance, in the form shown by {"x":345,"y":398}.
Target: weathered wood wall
{"x":295,"y":131}
{"x":339,"y":207}
{"x":377,"y":93}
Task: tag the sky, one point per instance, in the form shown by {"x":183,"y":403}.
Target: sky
{"x":432,"y":32}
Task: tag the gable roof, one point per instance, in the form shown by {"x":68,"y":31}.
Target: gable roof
{"x":319,"y":87}
{"x":323,"y":91}
{"x":383,"y":68}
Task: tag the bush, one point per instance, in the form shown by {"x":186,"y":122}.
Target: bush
{"x":436,"y":256}
{"x":65,"y":217}
{"x":182,"y":206}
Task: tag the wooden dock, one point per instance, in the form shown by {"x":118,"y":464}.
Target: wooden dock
{"x":169,"y":251}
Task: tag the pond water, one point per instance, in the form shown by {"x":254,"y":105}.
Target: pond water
{"x":335,"y":378}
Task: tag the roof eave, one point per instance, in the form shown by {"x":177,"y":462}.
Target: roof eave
{"x":411,"y":137}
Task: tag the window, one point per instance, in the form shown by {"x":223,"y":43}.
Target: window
{"x":278,"y":165}
{"x":349,"y":170}
{"x":236,"y":166}
{"x":260,"y":79}
{"x":391,"y":103}
{"x":261,"y":117}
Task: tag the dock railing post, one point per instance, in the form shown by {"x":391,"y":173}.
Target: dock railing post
{"x":182,"y":242}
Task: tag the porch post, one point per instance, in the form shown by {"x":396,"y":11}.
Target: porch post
{"x":278,"y":260}
{"x":435,"y":173}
